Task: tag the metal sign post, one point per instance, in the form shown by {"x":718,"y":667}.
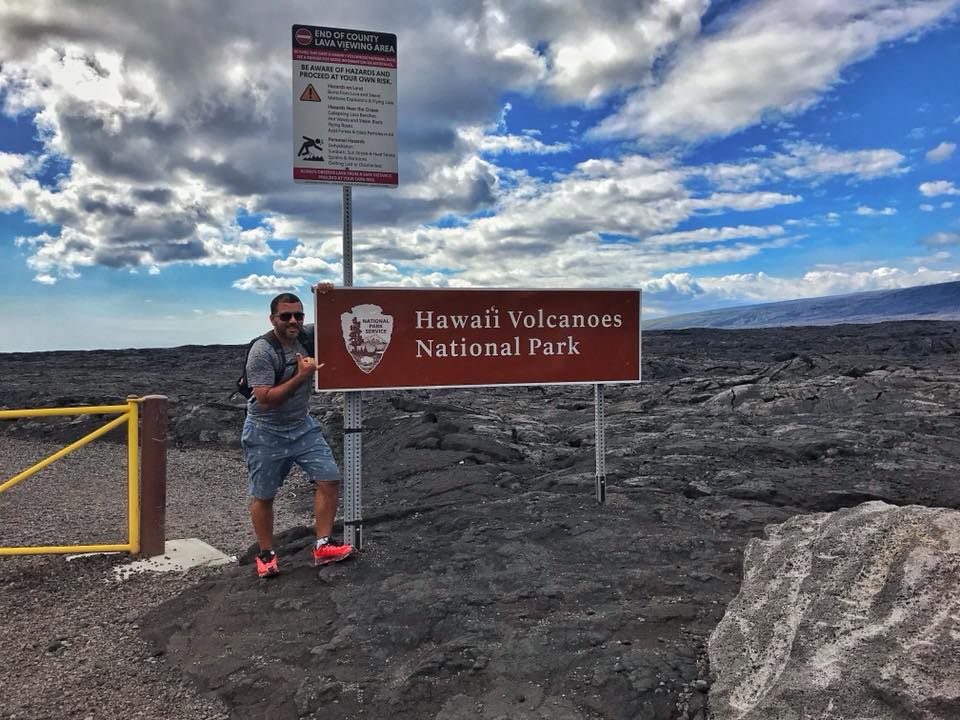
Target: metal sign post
{"x":352,"y":409}
{"x":601,"y":444}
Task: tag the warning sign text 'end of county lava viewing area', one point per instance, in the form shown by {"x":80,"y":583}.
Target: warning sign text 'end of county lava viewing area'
{"x":378,"y":339}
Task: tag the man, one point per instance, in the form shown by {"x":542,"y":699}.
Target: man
{"x":279,"y":431}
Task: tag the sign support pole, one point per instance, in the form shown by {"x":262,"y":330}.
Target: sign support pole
{"x":601,"y":444}
{"x":352,"y":409}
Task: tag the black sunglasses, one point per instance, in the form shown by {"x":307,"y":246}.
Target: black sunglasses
{"x":287,"y":315}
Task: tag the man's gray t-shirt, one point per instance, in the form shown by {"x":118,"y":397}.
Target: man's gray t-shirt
{"x":262,"y":365}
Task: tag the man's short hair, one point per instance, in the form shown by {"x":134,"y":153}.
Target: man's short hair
{"x":283,"y":298}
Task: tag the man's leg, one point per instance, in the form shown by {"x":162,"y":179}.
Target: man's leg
{"x":325,"y":506}
{"x":261,"y":513}
{"x":327,"y":550}
{"x":317,"y":461}
{"x":267,"y":468}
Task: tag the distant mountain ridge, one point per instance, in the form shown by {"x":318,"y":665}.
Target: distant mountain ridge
{"x":924,"y":302}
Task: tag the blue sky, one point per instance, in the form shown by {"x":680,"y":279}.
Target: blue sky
{"x":712,"y":154}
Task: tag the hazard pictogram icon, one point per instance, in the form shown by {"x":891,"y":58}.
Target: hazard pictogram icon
{"x":310,"y":94}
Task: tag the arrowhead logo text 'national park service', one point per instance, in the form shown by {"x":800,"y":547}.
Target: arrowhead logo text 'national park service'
{"x":366,"y":335}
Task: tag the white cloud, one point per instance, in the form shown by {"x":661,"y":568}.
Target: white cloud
{"x":15,"y":179}
{"x":743,"y":201}
{"x":941,"y":152}
{"x":229,"y":313}
{"x":121,"y":225}
{"x":761,"y":287}
{"x":938,"y":187}
{"x":942,"y":239}
{"x":316,"y":267}
{"x":712,"y":235}
{"x":736,"y":176}
{"x":671,"y":287}
{"x":608,"y":222}
{"x":771,"y":57}
{"x":545,"y":229}
{"x":595,"y":48}
{"x":269,"y":284}
{"x":803,"y":161}
{"x":809,"y":160}
{"x":479,"y":138}
{"x":864,"y":210}
{"x":674,"y":293}
{"x":926,"y":207}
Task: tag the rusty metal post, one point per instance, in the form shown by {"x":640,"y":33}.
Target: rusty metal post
{"x":153,"y":475}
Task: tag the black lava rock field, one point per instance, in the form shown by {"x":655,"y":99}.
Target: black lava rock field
{"x":491,"y":583}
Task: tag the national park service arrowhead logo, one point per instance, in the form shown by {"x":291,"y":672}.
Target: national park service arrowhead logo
{"x":366,"y":334}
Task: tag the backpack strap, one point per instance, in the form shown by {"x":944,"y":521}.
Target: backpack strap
{"x":274,"y":342}
{"x":304,"y":340}
{"x":242,"y":387}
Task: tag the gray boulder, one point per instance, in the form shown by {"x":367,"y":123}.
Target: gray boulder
{"x":853,"y":614}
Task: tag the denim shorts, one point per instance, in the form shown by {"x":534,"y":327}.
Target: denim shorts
{"x":271,"y":454}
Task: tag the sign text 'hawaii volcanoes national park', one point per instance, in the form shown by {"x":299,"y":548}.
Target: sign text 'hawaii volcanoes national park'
{"x":369,"y":338}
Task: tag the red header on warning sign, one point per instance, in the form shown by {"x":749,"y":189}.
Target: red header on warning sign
{"x":369,"y":338}
{"x":346,"y":176}
{"x":348,"y":58}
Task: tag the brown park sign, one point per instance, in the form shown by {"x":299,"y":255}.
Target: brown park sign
{"x":378,"y":339}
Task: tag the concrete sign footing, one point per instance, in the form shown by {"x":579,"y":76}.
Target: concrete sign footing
{"x":178,"y":556}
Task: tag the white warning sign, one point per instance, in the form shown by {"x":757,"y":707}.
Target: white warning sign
{"x":344,"y":106}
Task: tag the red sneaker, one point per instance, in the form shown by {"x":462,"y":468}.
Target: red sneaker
{"x":267,"y":568}
{"x":331,"y":552}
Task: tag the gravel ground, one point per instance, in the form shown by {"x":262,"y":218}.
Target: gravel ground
{"x":69,"y":640}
